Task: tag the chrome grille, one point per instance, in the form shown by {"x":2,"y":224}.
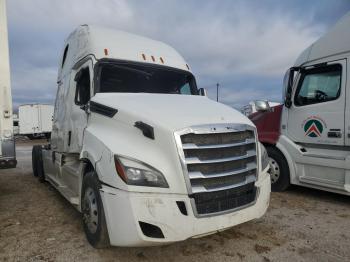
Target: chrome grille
{"x":220,"y":164}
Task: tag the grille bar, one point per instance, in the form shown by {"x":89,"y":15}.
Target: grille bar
{"x":202,"y":189}
{"x":196,"y":160}
{"x":213,"y":203}
{"x":220,"y":166}
{"x":194,"y":146}
{"x":199,"y":175}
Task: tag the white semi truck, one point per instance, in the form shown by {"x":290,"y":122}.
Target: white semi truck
{"x":141,"y":152}
{"x":308,"y":138}
{"x":7,"y":142}
{"x":35,"y":120}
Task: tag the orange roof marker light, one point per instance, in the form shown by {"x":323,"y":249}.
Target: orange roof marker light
{"x":187,"y":67}
{"x":153,"y":58}
{"x":106,"y":51}
{"x":144,"y":57}
{"x":161,"y":60}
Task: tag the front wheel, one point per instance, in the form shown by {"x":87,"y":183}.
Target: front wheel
{"x":94,"y":220}
{"x":279,"y":170}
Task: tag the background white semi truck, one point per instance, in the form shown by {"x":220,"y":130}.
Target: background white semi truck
{"x":7,"y":142}
{"x":139,"y":151}
{"x":35,"y":120}
{"x":251,"y":108}
{"x":308,"y":139}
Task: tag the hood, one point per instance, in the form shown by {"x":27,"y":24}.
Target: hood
{"x":170,"y":111}
{"x":268,"y":124}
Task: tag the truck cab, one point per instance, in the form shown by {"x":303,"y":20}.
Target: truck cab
{"x":138,"y":149}
{"x":308,"y":138}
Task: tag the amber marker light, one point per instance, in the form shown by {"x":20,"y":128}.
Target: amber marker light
{"x":106,"y":51}
{"x":120,"y":169}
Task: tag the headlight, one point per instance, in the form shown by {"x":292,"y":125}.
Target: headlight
{"x":137,"y":173}
{"x":264,"y":157}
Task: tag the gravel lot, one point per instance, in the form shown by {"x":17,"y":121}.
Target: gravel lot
{"x":37,"y":224}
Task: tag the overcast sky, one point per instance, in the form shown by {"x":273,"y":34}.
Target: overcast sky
{"x":246,"y":46}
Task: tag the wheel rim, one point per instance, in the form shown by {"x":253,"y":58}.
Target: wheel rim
{"x":90,"y":210}
{"x":274,"y":170}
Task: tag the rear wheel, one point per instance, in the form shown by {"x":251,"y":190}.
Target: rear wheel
{"x":34,"y":163}
{"x":279,"y":170}
{"x":94,"y":220}
{"x":37,"y":163}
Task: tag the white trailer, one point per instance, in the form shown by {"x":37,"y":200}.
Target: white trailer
{"x":35,"y":120}
{"x":139,"y":151}
{"x":308,"y":138}
{"x":7,"y":142}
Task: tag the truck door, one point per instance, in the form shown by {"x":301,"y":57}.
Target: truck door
{"x":316,"y":123}
{"x":83,"y":90}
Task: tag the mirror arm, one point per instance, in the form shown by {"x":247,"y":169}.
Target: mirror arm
{"x":86,"y":107}
{"x":288,"y":99}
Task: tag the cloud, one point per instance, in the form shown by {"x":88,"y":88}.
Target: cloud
{"x":244,"y":45}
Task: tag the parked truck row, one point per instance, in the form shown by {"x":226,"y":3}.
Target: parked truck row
{"x":148,"y":159}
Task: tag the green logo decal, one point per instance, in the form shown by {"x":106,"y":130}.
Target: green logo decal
{"x":313,"y":128}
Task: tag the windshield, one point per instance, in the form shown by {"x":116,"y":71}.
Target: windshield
{"x":114,"y":77}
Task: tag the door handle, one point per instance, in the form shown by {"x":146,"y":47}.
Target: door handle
{"x":334,"y":133}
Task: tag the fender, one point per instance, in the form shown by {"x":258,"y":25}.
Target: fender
{"x":269,"y":132}
{"x":93,"y":150}
{"x":280,"y":146}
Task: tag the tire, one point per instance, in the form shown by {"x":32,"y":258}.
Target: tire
{"x":37,"y":163}
{"x":47,"y":136}
{"x":279,"y":170}
{"x":93,"y":216}
{"x":34,"y":163}
{"x":31,"y":137}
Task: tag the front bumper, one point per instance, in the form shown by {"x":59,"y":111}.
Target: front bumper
{"x":124,"y":210}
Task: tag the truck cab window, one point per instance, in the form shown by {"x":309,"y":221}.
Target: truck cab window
{"x":318,"y":85}
{"x":185,"y":89}
{"x":82,"y":93}
{"x":139,"y":78}
{"x":64,"y":55}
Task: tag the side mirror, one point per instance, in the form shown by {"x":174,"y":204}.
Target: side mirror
{"x":82,"y":92}
{"x":202,"y":92}
{"x":78,"y":76}
{"x":288,"y":82}
{"x":86,"y":107}
{"x":262,"y":106}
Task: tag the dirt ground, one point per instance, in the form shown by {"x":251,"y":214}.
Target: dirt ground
{"x":37,"y":224}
